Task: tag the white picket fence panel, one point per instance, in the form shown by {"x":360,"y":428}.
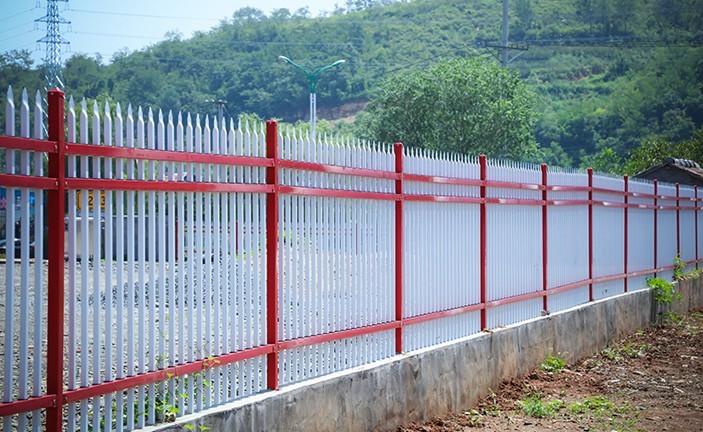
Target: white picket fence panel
{"x":160,"y":278}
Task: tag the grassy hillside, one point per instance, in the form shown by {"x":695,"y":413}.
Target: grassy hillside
{"x":608,"y":73}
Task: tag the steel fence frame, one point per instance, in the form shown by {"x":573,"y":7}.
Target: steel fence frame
{"x":482,"y":192}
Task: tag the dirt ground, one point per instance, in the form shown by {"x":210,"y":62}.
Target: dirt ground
{"x":650,"y":381}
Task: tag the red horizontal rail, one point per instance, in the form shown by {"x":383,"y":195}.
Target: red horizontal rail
{"x":514,"y":185}
{"x":70,"y":396}
{"x":168,"y":186}
{"x":442,"y":180}
{"x":567,"y":202}
{"x":27,"y":144}
{"x":445,"y":199}
{"x":515,"y":201}
{"x":442,"y":314}
{"x":339,"y":335}
{"x":610,"y":204}
{"x":336,"y":169}
{"x":164,"y":155}
{"x":23,"y":181}
{"x":337,"y":193}
{"x":26,"y":405}
{"x":567,"y":188}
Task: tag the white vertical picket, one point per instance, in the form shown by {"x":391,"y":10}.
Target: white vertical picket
{"x":174,"y":302}
{"x":84,"y":249}
{"x":190,"y":290}
{"x":108,"y":285}
{"x":38,"y":337}
{"x":131,"y":197}
{"x":71,"y":295}
{"x":141,"y":278}
{"x":119,"y":274}
{"x":8,"y":355}
{"x":25,"y":168}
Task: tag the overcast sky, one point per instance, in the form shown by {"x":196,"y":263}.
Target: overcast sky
{"x":106,"y":27}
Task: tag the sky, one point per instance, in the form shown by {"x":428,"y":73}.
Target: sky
{"x":101,"y":27}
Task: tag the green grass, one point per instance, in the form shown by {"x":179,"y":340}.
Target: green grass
{"x":553,"y":364}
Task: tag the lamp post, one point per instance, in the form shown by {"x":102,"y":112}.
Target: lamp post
{"x":313,"y":76}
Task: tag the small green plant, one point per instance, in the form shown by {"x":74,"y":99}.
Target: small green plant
{"x":596,"y":405}
{"x":672,"y":318}
{"x":679,"y":267}
{"x":630,"y":349}
{"x":553,"y":364}
{"x":533,"y":406}
{"x":664,"y":292}
{"x":474,"y":418}
{"x":612,"y":354}
{"x":492,"y":408}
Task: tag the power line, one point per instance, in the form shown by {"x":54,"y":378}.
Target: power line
{"x":135,"y":15}
{"x":17,"y":26}
{"x":16,"y":15}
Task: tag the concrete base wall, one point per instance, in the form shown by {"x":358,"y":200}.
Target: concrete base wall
{"x":436,"y":381}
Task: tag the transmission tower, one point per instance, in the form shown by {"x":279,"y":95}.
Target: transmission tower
{"x":53,"y":42}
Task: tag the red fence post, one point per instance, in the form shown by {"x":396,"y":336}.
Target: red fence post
{"x":590,"y":234}
{"x":544,"y":237}
{"x":272,"y":255}
{"x":55,"y":313}
{"x":398,"y":151}
{"x":483,"y":239}
{"x":626,"y":220}
{"x":678,"y":222}
{"x":656,"y":192}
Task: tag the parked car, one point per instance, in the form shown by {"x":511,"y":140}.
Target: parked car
{"x":18,"y":248}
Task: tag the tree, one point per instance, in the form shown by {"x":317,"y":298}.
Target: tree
{"x":655,"y":149}
{"x":605,"y":161}
{"x":466,"y":106}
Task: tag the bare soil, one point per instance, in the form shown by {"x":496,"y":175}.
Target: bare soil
{"x":650,"y":381}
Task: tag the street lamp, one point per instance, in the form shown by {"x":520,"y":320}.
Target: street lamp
{"x":312,"y":79}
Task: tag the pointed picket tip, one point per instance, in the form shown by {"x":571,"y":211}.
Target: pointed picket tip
{"x":84,"y":105}
{"x":71,"y":103}
{"x":107,"y":108}
{"x":9,"y":93}
{"x":24,"y":94}
{"x":118,"y":110}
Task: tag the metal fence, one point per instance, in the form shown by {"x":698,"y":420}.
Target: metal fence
{"x":190,"y":263}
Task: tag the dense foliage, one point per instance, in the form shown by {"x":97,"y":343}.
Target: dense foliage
{"x":465,"y":106}
{"x":609,"y":75}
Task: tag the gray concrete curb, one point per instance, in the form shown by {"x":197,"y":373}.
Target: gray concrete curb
{"x":436,"y":381}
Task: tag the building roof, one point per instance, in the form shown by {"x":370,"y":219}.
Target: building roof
{"x":671,"y":170}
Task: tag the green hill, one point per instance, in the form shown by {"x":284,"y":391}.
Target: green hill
{"x":609,"y":73}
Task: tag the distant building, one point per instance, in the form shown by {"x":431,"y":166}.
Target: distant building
{"x":681,"y":171}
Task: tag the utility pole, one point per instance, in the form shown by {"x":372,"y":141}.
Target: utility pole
{"x":504,"y":36}
{"x":502,"y":50}
{"x":53,"y":41}
{"x":221,"y":104}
